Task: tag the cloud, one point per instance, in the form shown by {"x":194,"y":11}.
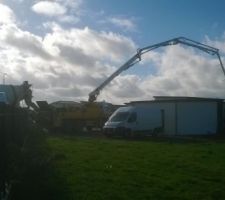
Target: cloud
{"x":124,"y":87}
{"x":7,"y":15}
{"x":100,"y":45}
{"x":69,"y":93}
{"x":63,"y":64}
{"x":218,"y":43}
{"x":18,"y":1}
{"x":127,"y":24}
{"x":74,"y":4}
{"x":181,"y":71}
{"x":68,"y":63}
{"x":64,"y":11}
{"x":49,"y":8}
{"x":184,"y":72}
{"x":76,"y":56}
{"x":23,"y":41}
{"x":69,"y":19}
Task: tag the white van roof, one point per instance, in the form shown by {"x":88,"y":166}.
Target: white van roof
{"x":125,"y":109}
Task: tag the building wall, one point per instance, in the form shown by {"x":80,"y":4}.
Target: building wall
{"x":194,"y":118}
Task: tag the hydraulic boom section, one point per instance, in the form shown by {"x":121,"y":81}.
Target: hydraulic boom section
{"x":137,"y":58}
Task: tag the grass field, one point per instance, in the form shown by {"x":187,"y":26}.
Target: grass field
{"x":100,"y":168}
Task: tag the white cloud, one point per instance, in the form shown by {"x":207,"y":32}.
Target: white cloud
{"x":127,"y":24}
{"x":23,"y":41}
{"x":69,"y":19}
{"x":180,"y":72}
{"x":218,"y":43}
{"x":49,"y":8}
{"x":75,"y":4}
{"x":64,"y":64}
{"x":100,"y":45}
{"x":18,"y":1}
{"x":122,"y":89}
{"x":7,"y":15}
{"x":64,"y":11}
{"x":52,"y":26}
{"x":184,"y":72}
{"x":67,"y":64}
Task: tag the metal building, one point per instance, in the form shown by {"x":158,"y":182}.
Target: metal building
{"x":188,"y":115}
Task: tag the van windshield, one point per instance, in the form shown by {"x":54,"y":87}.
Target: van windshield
{"x":119,"y":117}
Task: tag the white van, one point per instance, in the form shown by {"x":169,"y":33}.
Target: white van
{"x":132,"y":119}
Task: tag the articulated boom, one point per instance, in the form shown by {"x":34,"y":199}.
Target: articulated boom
{"x":137,"y":57}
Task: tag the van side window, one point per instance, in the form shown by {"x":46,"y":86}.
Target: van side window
{"x":132,"y":118}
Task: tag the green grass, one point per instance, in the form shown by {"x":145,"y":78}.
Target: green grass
{"x":98,"y":168}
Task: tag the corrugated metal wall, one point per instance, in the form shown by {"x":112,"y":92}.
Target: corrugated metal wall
{"x":188,"y":118}
{"x":196,"y":118}
{"x":169,"y":114}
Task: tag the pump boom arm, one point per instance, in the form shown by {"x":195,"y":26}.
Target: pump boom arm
{"x":137,"y":58}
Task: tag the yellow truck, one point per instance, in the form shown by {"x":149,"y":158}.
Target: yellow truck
{"x":72,"y":117}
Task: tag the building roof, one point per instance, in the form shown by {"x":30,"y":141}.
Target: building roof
{"x":177,"y":99}
{"x":186,"y":98}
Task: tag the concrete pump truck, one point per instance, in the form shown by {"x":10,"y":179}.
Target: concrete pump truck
{"x":91,"y":114}
{"x":124,"y":121}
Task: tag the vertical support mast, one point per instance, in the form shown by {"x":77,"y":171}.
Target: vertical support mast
{"x":221,"y":64}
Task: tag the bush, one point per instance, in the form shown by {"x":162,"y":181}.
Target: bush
{"x":25,"y":157}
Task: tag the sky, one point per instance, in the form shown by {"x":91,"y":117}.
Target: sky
{"x":66,"y":48}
